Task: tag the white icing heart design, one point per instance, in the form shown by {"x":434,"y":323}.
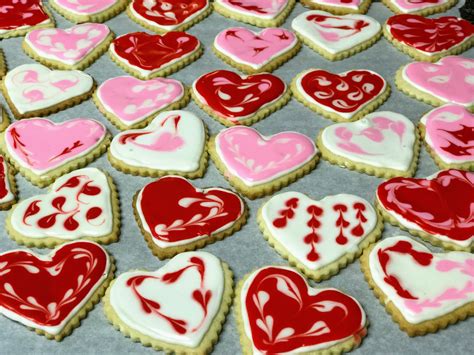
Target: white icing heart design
{"x":173,"y":141}
{"x":335,"y":34}
{"x":78,"y":205}
{"x":421,"y":285}
{"x":317,"y":233}
{"x":33,"y":87}
{"x":175,"y":304}
{"x":381,"y":139}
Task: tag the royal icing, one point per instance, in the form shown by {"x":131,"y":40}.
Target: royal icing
{"x":429,"y":35}
{"x":264,"y":9}
{"x":409,"y":6}
{"x":254,"y":49}
{"x":33,"y":87}
{"x":6,"y":193}
{"x":168,"y":15}
{"x":132,"y":100}
{"x":282,"y":314}
{"x":440,"y":205}
{"x":41,"y":145}
{"x":420,"y":284}
{"x":17,"y":15}
{"x":343,"y":4}
{"x":78,"y":205}
{"x":46,"y":291}
{"x":185,"y":213}
{"x":449,"y":132}
{"x":176,"y":303}
{"x":257,"y":159}
{"x":344,"y":94}
{"x":68,"y":46}
{"x":382,"y":139}
{"x":451,"y":79}
{"x":318,"y":233}
{"x":236,"y":98}
{"x":335,"y":34}
{"x":85,"y":7}
{"x":148,"y":53}
{"x":173,"y":141}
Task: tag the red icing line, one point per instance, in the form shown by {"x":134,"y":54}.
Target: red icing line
{"x":25,"y":277}
{"x":429,"y":35}
{"x":169,"y":200}
{"x":328,"y":316}
{"x":3,"y":178}
{"x":151,"y":52}
{"x":401,"y":247}
{"x":174,"y":12}
{"x":441,"y":206}
{"x":342,"y":92}
{"x":15,"y":13}
{"x":231,"y":96}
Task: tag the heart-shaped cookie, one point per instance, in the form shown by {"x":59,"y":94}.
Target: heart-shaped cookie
{"x":52,"y":293}
{"x":342,"y":97}
{"x":233,"y":99}
{"x":7,"y":185}
{"x":43,"y":150}
{"x":82,"y":204}
{"x":19,"y":17}
{"x":79,"y":11}
{"x":173,"y":143}
{"x":450,"y":80}
{"x":147,"y":56}
{"x":383,"y":144}
{"x":438,"y":208}
{"x":319,"y":237}
{"x":449,"y":136}
{"x":172,"y":15}
{"x":129,"y":102}
{"x":429,"y":39}
{"x":175,"y":216}
{"x":423,"y":291}
{"x":76,"y":47}
{"x":177,"y":308}
{"x":262,"y":13}
{"x":419,"y":7}
{"x":279,"y":313}
{"x":257,"y":165}
{"x":336,"y":37}
{"x":339,"y":7}
{"x":34,"y":90}
{"x":254,"y":52}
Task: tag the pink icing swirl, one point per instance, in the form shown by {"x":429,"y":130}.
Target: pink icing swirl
{"x":263,"y":8}
{"x":255,"y":48}
{"x":450,"y":79}
{"x":86,"y":7}
{"x":257,"y":159}
{"x":69,"y":45}
{"x":132,"y":100}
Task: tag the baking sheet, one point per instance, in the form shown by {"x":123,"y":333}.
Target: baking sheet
{"x":246,"y":250}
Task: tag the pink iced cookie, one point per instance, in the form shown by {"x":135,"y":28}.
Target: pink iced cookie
{"x":132,"y":103}
{"x":339,"y":7}
{"x":42,"y":150}
{"x":262,"y":13}
{"x":79,"y":11}
{"x":449,"y":135}
{"x":450,"y":80}
{"x":255,"y":52}
{"x":73,"y":48}
{"x":258,"y":165}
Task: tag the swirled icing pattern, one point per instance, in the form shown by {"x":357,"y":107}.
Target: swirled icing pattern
{"x":16,"y":14}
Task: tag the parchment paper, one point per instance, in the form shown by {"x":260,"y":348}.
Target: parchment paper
{"x":247,"y":249}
